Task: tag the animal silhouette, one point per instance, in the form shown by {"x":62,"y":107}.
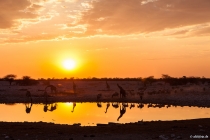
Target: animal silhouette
{"x":74,"y":87}
{"x":115,"y":94}
{"x":122,"y":92}
{"x":53,"y":107}
{"x":99,"y":104}
{"x":45,"y":107}
{"x":74,"y":105}
{"x":46,"y":102}
{"x":115,"y":105}
{"x":122,"y":112}
{"x":141,"y":105}
{"x":125,"y":104}
{"x":107,"y":106}
{"x":99,"y":96}
{"x":28,"y":107}
{"x":107,"y":86}
{"x":28,"y":94}
{"x":132,"y":105}
{"x":52,"y":88}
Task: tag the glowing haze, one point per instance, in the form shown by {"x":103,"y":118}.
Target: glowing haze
{"x":105,"y":38}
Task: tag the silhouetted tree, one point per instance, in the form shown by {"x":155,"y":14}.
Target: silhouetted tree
{"x":10,"y":78}
{"x":166,"y":76}
{"x":27,"y":81}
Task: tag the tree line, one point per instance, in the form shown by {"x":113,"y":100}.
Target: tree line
{"x":174,"y":81}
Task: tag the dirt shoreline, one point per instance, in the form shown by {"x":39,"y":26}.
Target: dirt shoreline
{"x":183,"y":129}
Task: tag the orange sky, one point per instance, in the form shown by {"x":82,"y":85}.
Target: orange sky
{"x":135,"y":38}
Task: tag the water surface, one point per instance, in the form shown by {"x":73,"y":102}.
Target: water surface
{"x":89,"y":114}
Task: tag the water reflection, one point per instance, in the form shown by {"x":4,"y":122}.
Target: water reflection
{"x":28,"y":103}
{"x":52,"y":106}
{"x":99,"y":104}
{"x":122,"y":111}
{"x":140,"y":105}
{"x":28,"y":107}
{"x":93,"y":113}
{"x":132,"y":105}
{"x":107,"y":106}
{"x":74,"y":105}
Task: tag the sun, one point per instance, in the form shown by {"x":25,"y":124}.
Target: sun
{"x":69,"y":64}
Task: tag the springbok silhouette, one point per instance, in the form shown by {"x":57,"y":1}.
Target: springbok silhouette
{"x":107,"y":86}
{"x":122,"y":112}
{"x":99,"y":96}
{"x":74,"y":87}
{"x":74,"y":105}
{"x":107,"y":106}
{"x":122,"y":92}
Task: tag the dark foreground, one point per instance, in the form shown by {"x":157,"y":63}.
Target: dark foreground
{"x":164,"y":130}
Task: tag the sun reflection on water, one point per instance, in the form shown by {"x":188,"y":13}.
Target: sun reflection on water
{"x":91,"y":114}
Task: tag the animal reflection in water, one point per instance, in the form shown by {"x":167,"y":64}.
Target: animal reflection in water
{"x":122,"y":111}
{"x":74,"y":105}
{"x":141,"y":105}
{"x":53,"y":107}
{"x":132,"y":105}
{"x":99,"y":104}
{"x":107,"y":106}
{"x":52,"y":88}
{"x":115,"y":105}
{"x":28,"y":107}
{"x":28,"y":99}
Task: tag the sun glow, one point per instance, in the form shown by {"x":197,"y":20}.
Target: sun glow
{"x":69,"y":64}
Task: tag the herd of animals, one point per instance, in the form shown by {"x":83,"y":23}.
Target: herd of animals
{"x":122,"y":92}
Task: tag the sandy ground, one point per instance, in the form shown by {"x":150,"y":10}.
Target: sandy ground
{"x":164,"y":130}
{"x":87,"y":91}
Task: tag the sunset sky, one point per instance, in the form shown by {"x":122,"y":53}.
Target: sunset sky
{"x":105,"y":38}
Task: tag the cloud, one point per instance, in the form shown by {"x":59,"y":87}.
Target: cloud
{"x":26,"y":20}
{"x":41,"y":37}
{"x":133,"y":17}
{"x":11,"y":11}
